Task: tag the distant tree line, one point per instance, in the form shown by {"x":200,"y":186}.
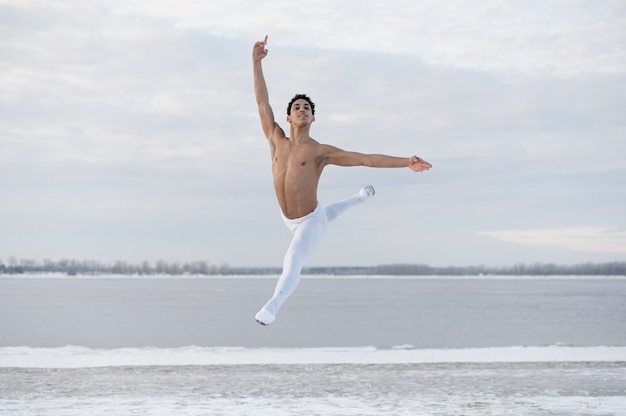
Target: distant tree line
{"x":91,"y":267}
{"x":537,"y":269}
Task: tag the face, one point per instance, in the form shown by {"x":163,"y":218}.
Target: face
{"x":301,"y":112}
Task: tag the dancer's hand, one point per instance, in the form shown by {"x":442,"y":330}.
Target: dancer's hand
{"x":258,"y":51}
{"x":419,"y":165}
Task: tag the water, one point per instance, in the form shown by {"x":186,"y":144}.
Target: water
{"x":326,"y":312}
{"x":340,"y":346}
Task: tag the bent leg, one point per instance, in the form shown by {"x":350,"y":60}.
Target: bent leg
{"x":335,"y":209}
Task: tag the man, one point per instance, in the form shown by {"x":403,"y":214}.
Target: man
{"x":297,"y":164}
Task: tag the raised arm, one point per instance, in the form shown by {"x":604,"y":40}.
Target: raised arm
{"x":336,"y":156}
{"x":260,"y":89}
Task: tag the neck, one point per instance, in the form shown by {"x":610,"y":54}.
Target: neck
{"x":299,"y":133}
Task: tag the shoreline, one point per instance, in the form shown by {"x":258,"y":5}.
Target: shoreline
{"x":308,"y":276}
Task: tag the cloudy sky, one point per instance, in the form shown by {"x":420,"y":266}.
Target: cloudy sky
{"x":128,"y":129}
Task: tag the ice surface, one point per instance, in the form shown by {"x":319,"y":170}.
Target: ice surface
{"x":468,"y":389}
{"x":81,"y":357}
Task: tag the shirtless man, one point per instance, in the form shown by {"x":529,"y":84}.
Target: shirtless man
{"x":297,"y":164}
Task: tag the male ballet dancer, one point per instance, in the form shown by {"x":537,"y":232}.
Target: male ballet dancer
{"x":297,"y":164}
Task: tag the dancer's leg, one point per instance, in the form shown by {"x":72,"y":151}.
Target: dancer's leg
{"x":306,"y":237}
{"x":335,"y":209}
{"x":307,"y":234}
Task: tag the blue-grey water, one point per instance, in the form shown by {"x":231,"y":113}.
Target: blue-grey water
{"x":114,"y":325}
{"x":424,"y":313}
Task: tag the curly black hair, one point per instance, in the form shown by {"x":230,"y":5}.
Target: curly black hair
{"x":301,"y":96}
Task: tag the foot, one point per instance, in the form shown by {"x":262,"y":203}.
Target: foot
{"x":367,"y":191}
{"x":264,"y":317}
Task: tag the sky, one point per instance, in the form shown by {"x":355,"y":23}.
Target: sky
{"x":129,"y":129}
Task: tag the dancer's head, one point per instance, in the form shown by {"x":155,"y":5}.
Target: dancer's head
{"x":300,"y":97}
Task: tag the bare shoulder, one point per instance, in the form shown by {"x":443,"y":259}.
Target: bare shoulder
{"x":332,"y":155}
{"x":326,"y":149}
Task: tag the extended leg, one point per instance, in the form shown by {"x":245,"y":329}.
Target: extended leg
{"x":306,"y":237}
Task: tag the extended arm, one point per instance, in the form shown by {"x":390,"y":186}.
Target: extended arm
{"x":340,"y":157}
{"x":260,"y":89}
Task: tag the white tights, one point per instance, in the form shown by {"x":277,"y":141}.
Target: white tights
{"x":307,"y":233}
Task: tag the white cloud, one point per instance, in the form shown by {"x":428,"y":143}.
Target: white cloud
{"x":562,"y":37}
{"x":591,"y":239}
